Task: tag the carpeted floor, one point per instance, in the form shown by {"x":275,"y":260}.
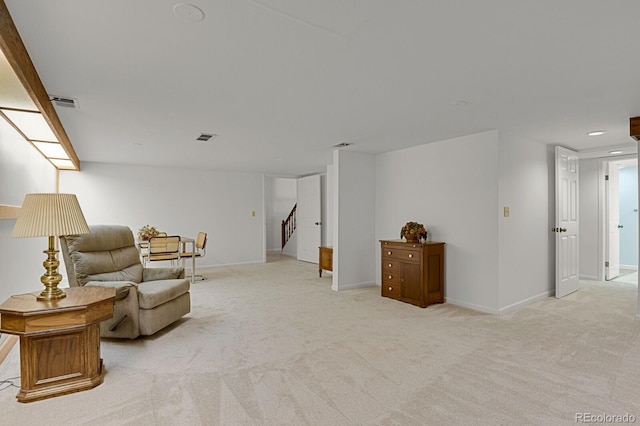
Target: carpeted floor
{"x":271,"y":344}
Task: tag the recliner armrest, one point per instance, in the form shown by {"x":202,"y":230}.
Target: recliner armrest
{"x":154,"y":274}
{"x":122,"y":287}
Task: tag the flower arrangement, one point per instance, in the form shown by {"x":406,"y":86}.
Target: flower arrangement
{"x":413,"y":231}
{"x":147,"y":232}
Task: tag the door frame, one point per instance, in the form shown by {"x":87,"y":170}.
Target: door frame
{"x":604,"y":214}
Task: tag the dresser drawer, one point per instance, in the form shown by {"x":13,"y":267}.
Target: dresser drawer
{"x":390,"y":265}
{"x":392,"y":253}
{"x":391,"y":277}
{"x":390,"y":290}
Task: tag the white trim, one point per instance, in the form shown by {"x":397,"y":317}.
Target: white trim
{"x":522,"y":303}
{"x":354,"y":285}
{"x":632,"y":267}
{"x":589,"y":277}
{"x":472,"y":306}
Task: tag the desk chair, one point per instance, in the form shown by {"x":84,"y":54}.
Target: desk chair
{"x":200,"y":251}
{"x":164,"y":248}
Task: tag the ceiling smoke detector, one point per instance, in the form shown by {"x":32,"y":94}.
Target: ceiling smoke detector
{"x":342,"y":144}
{"x":204,"y":137}
{"x":64,"y":102}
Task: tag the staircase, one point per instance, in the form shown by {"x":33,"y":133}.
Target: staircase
{"x":288,"y":226}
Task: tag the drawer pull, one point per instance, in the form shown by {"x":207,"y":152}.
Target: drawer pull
{"x":390,"y":265}
{"x":389,"y":252}
{"x":410,"y":255}
{"x":390,"y":276}
{"x":390,"y":288}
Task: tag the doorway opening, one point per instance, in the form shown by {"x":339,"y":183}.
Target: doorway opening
{"x":621,"y":220}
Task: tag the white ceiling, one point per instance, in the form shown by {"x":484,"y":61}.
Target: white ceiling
{"x":281,"y":81}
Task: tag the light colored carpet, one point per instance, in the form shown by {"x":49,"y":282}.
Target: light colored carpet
{"x":271,"y":344}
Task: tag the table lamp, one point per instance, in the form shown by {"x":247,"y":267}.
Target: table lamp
{"x":50,"y":215}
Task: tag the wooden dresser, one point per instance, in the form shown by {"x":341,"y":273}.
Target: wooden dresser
{"x":413,"y":272}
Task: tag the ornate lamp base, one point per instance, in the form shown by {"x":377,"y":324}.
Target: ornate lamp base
{"x":51,"y":278}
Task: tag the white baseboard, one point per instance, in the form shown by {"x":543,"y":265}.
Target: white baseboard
{"x":522,"y":303}
{"x":632,"y":267}
{"x":588,"y":277}
{"x":353,"y":285}
{"x":506,"y":309}
{"x":478,"y":308}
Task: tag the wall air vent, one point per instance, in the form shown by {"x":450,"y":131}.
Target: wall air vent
{"x":61,"y":101}
{"x":342,"y":144}
{"x":205,"y":137}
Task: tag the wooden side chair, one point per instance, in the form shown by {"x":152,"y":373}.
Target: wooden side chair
{"x":200,"y":251}
{"x":163,"y":248}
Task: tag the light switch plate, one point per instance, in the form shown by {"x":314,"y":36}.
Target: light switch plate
{"x":506,"y":212}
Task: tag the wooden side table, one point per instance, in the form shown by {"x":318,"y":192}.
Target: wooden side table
{"x":59,"y":340}
{"x":325,"y":260}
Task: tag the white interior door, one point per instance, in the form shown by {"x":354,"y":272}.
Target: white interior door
{"x":612,"y":196}
{"x":566,"y":226}
{"x":308,"y":225}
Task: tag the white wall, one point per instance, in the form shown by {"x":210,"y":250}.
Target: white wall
{"x":22,"y":171}
{"x":280,"y":197}
{"x":354,"y":226}
{"x":524,"y":237}
{"x":178,"y":201}
{"x":452,"y":188}
{"x":590,"y":240}
{"x":328,"y":200}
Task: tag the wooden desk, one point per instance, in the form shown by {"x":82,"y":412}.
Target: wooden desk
{"x":325,"y":260}
{"x":59,"y":340}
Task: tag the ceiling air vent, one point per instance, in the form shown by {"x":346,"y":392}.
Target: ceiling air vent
{"x":64,"y":102}
{"x":205,"y":137}
{"x":342,"y":144}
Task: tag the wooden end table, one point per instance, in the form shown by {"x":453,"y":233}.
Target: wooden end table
{"x":59,"y":340}
{"x":325,"y":259}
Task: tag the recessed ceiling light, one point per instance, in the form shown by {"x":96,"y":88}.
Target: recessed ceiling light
{"x":615,"y":152}
{"x":458,"y":104}
{"x":188,"y":12}
{"x":597,"y":133}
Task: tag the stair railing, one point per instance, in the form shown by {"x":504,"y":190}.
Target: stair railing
{"x":288,"y":226}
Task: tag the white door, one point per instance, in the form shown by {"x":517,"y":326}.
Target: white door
{"x":308,"y":218}
{"x":566,"y":225}
{"x":612,"y":197}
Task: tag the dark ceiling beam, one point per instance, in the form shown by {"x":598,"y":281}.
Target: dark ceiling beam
{"x":634,"y":128}
{"x":18,"y":57}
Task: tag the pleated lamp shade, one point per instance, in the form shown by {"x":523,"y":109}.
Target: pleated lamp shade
{"x":44,"y":215}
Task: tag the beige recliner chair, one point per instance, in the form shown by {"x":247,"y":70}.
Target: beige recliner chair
{"x":147,"y":299}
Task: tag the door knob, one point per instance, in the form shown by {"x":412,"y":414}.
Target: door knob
{"x":620,"y":226}
{"x":563,"y":229}
{"x":318,"y":223}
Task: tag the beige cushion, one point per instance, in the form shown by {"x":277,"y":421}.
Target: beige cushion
{"x":104,"y":256}
{"x":155,"y":293}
